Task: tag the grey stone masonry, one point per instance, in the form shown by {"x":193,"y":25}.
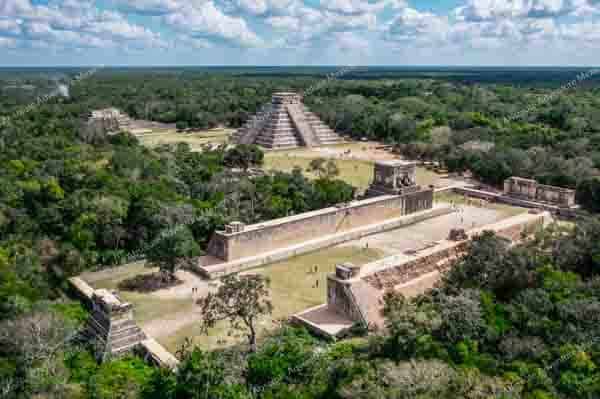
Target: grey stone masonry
{"x":111,"y":325}
{"x":393,"y":178}
{"x":285,"y":123}
{"x":109,"y":120}
{"x":531,"y":190}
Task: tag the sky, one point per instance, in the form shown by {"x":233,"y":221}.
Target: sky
{"x":300,"y":32}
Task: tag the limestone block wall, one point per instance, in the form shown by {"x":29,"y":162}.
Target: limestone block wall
{"x":437,"y":260}
{"x":533,"y":191}
{"x":340,"y":297}
{"x":444,"y":255}
{"x":397,"y":271}
{"x":284,"y":232}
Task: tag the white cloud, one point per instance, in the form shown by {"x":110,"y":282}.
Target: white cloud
{"x":7,"y":42}
{"x":350,"y":41}
{"x":360,"y":6}
{"x":10,"y":27}
{"x":486,"y":10}
{"x":149,"y":7}
{"x":284,"y":22}
{"x":208,"y":21}
{"x":415,"y":26}
{"x":72,"y":24}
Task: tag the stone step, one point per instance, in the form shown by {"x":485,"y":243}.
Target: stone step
{"x":124,"y":350}
{"x":117,"y":335}
{"x":126,"y":340}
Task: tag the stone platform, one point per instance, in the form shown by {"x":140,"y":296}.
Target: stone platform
{"x":354,"y":294}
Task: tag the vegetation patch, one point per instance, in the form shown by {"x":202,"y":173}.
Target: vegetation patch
{"x":150,"y":282}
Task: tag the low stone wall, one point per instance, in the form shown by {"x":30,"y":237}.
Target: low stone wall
{"x":359,"y":297}
{"x":82,"y":290}
{"x":155,"y":354}
{"x":285,"y":232}
{"x":442,"y":256}
{"x":439,"y":259}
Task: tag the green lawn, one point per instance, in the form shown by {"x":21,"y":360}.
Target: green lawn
{"x":505,"y":209}
{"x":293,"y":289}
{"x":358,"y":173}
{"x":194,"y":139}
{"x":146,"y":307}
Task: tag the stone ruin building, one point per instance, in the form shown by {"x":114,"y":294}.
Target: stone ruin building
{"x":400,"y":178}
{"x":394,"y":200}
{"x":531,"y":190}
{"x":285,"y":123}
{"x":393,"y":178}
{"x":108,"y":120}
{"x":111,"y":325}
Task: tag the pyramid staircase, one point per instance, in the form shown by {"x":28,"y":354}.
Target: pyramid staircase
{"x":285,"y":123}
{"x":111,"y":326}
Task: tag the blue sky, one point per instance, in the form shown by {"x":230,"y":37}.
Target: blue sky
{"x":305,"y":32}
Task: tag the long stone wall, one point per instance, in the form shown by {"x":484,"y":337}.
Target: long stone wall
{"x":220,"y":269}
{"x":285,"y":232}
{"x":359,"y":296}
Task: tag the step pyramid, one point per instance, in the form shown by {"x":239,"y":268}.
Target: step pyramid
{"x":285,"y":123}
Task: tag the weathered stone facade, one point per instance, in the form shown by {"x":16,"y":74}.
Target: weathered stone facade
{"x":111,"y":325}
{"x":240,"y":242}
{"x":393,"y":178}
{"x":109,"y":121}
{"x":533,"y":191}
{"x":285,"y":123}
{"x":356,"y":293}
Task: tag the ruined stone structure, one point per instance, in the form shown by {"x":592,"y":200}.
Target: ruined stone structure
{"x":109,"y":121}
{"x":355,"y":294}
{"x":399,"y":178}
{"x":394,"y":195}
{"x":531,"y":190}
{"x":393,"y":178}
{"x":285,"y":123}
{"x":111,"y":325}
{"x":239,"y":241}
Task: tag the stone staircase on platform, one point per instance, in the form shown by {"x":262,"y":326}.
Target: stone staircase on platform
{"x":302,"y":126}
{"x":111,"y":326}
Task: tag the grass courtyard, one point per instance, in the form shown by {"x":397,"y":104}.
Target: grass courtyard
{"x":171,"y":316}
{"x":195,"y":139}
{"x":293,"y":288}
{"x":505,"y":209}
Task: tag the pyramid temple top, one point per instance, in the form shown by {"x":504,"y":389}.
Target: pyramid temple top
{"x":287,"y":98}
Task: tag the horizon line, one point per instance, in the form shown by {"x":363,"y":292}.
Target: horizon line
{"x":297,"y":66}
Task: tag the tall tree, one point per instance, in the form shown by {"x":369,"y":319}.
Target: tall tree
{"x":241,"y":300}
{"x":172,"y":250}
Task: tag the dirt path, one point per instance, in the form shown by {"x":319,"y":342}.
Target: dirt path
{"x":166,"y":326}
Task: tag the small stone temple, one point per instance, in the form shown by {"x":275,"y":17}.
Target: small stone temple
{"x":285,"y":123}
{"x":531,"y":190}
{"x":111,"y":325}
{"x":393,"y":178}
{"x":108,"y":120}
{"x":400,"y":178}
